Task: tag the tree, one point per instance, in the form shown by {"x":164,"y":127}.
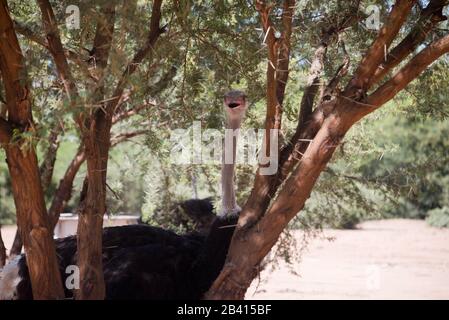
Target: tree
{"x":325,"y":127}
{"x":94,"y":124}
{"x":95,"y":128}
{"x":16,"y":137}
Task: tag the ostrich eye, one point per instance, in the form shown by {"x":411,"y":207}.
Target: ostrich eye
{"x":233,"y":105}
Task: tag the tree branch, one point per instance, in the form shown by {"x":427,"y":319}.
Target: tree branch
{"x":155,"y":32}
{"x":63,"y":192}
{"x":376,"y":52}
{"x":103,"y":35}
{"x":163,"y":82}
{"x":13,"y":73}
{"x":57,"y":50}
{"x":307,"y":128}
{"x":274,"y":110}
{"x":131,"y":112}
{"x":102,"y":43}
{"x":30,"y":34}
{"x":308,"y":121}
{"x":158,"y":87}
{"x":313,"y":82}
{"x":259,"y":197}
{"x":430,"y":17}
{"x":121,"y":137}
{"x":284,"y":49}
{"x":40,"y":40}
{"x":407,"y":74}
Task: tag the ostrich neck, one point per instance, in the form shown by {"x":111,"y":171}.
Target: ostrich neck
{"x":216,"y":244}
{"x":229,"y":204}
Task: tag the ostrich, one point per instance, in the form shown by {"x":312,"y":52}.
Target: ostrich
{"x":193,"y":214}
{"x":145,"y":262}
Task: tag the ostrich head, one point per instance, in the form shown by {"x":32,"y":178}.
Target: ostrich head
{"x":235,"y":106}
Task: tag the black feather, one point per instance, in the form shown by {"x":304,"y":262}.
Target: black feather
{"x":145,"y":262}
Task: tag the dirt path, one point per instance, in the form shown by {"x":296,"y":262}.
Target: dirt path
{"x":387,"y":259}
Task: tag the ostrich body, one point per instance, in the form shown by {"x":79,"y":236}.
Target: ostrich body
{"x":145,"y":262}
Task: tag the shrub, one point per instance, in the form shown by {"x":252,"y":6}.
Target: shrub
{"x":439,"y":217}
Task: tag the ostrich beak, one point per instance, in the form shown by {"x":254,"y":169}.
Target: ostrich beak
{"x":238,"y":103}
{"x":233,"y":105}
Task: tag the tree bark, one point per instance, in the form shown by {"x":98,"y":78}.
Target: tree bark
{"x":96,"y":140}
{"x":32,"y":218}
{"x":91,"y":212}
{"x":33,"y":223}
{"x":56,"y":49}
{"x":46,"y":172}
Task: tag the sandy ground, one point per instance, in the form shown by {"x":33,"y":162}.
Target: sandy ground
{"x":387,"y":259}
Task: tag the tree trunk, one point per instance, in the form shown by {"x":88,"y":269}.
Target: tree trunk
{"x":97,"y":145}
{"x":32,"y":219}
{"x":92,"y":210}
{"x":46,"y":172}
{"x":33,"y":223}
